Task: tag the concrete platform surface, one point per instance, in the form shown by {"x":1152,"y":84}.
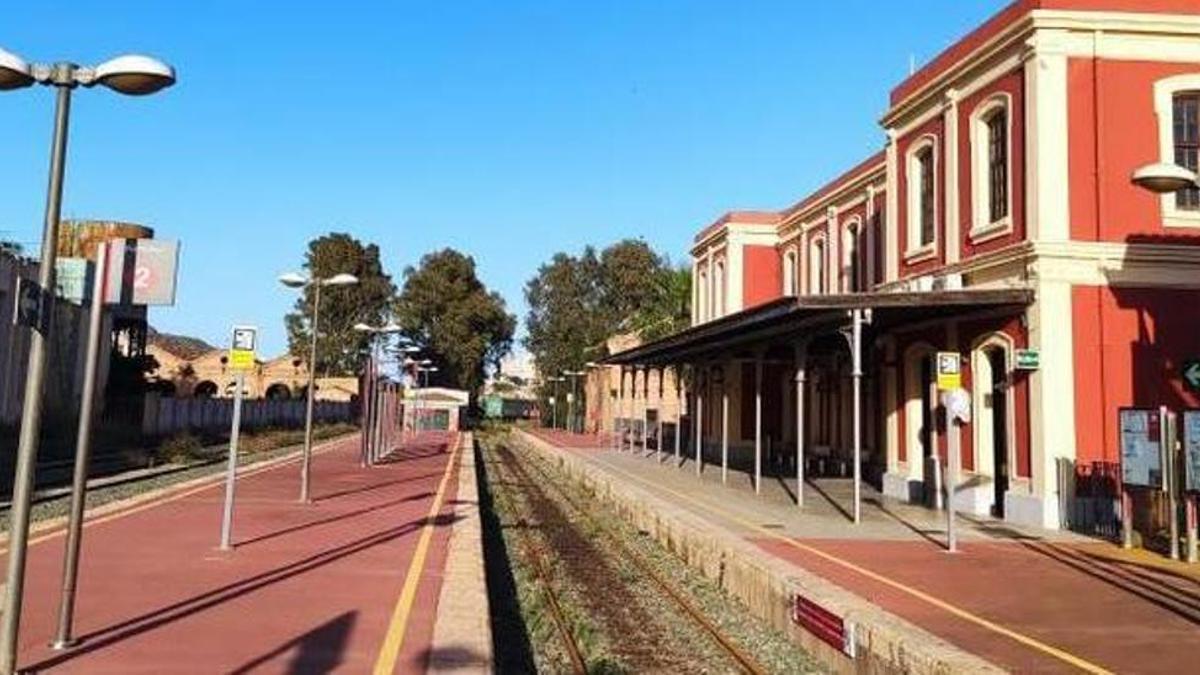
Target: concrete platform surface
{"x":308,"y":588}
{"x":1025,"y":599}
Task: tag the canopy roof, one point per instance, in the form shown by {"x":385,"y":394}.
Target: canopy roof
{"x":793,"y":318}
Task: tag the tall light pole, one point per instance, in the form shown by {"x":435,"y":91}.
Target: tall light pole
{"x":425,"y":370}
{"x":133,"y":75}
{"x":1165,"y":179}
{"x":295,"y":280}
{"x":574,"y":375}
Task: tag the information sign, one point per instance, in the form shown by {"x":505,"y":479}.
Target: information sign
{"x":1141,"y":447}
{"x":241,"y":348}
{"x":1191,"y":450}
{"x":949,"y":371}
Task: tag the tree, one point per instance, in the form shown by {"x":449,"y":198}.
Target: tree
{"x":456,"y":321}
{"x":340,"y":349}
{"x":577,"y":303}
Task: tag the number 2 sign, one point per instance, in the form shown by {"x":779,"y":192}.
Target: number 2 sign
{"x":142,"y":271}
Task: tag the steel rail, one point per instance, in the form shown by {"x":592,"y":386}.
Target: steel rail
{"x":745,"y":661}
{"x":543,"y":578}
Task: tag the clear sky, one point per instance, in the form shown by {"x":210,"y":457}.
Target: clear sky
{"x":509,"y":130}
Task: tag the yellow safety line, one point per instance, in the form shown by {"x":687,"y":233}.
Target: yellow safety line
{"x":211,"y":482}
{"x":1055,"y":652}
{"x":389,"y":652}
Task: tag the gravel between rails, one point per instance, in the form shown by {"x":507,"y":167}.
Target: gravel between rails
{"x":622,"y":621}
{"x":58,"y":507}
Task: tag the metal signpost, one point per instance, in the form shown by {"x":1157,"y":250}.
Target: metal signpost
{"x":108,"y":287}
{"x":958,"y":412}
{"x":241,"y":359}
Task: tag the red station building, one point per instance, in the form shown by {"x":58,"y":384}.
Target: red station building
{"x":999,"y":221}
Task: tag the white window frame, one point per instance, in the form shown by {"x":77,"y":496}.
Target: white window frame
{"x":790,"y":266}
{"x":817,"y":253}
{"x":914,"y":249}
{"x":983,"y":228}
{"x":1164,"y":108}
{"x":702,"y":276}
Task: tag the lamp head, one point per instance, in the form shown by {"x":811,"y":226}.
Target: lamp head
{"x":340,"y":280}
{"x":135,"y":74}
{"x":363,"y":328}
{"x":391,"y":327}
{"x":15,"y":72}
{"x":293,"y":280}
{"x":1164,"y":178}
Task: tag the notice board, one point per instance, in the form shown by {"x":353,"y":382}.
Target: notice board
{"x":1141,"y":447}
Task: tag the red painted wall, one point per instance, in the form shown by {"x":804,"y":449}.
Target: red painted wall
{"x":762,"y":275}
{"x":1114,"y":131}
{"x":1012,"y":84}
{"x":1129,"y":345}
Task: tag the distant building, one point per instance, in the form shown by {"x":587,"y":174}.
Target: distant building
{"x":184,"y":372}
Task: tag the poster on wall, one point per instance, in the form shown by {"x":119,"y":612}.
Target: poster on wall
{"x":1191,"y":450}
{"x":1141,"y":448}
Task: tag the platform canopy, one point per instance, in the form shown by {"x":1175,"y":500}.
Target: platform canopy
{"x":794,"y":318}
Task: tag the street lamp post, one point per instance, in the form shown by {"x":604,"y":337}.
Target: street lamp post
{"x":424,"y":371}
{"x":294,"y":280}
{"x":133,"y":75}
{"x":1164,"y":179}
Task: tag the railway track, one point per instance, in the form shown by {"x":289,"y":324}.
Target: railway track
{"x":529,"y":472}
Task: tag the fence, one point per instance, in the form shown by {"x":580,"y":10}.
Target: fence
{"x":164,"y":415}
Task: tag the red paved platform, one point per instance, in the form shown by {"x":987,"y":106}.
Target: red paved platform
{"x":307,"y":588}
{"x":1120,"y":617}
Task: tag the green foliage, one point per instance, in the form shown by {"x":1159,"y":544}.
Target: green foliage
{"x":577,"y":302}
{"x":461,"y":326}
{"x":340,"y":349}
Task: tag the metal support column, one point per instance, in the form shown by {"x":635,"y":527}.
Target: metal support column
{"x":801,"y":369}
{"x":758,"y":366}
{"x":681,"y":408}
{"x":645,"y":411}
{"x":659,"y":446}
{"x":724,"y":432}
{"x":700,"y":381}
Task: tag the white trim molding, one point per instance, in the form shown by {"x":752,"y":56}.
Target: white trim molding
{"x":1164,"y":109}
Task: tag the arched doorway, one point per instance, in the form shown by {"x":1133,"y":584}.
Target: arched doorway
{"x":920,"y":436}
{"x":993,"y":419}
{"x":279,"y":392}
{"x":205,"y":389}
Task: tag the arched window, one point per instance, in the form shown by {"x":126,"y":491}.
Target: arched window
{"x":1177,"y":107}
{"x":922,"y":196}
{"x":719,"y":289}
{"x":816,"y":267}
{"x":852,"y":256}
{"x":702,"y":296}
{"x":789,"y":272}
{"x":991,"y":167}
{"x":1186,"y":138}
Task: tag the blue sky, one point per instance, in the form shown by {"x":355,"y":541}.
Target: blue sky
{"x":509,"y":130}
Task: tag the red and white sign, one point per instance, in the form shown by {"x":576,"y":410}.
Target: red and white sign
{"x":827,"y":626}
{"x":142,"y":271}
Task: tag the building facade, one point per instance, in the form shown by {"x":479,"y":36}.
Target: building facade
{"x":998,"y":219}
